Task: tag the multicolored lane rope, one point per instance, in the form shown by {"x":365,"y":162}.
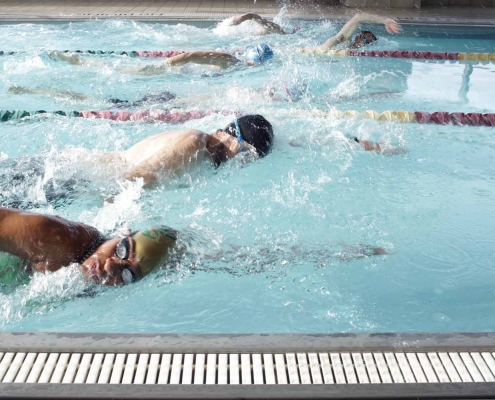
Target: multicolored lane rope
{"x":131,"y":53}
{"x":412,"y":54}
{"x":170,"y":116}
{"x":178,"y":116}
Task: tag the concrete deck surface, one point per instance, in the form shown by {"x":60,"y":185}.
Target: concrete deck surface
{"x":73,"y":10}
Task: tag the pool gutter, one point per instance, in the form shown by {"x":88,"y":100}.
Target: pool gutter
{"x":221,"y":366}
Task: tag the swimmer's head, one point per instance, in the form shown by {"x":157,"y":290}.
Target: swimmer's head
{"x":254,"y":130}
{"x":255,"y":55}
{"x":127,"y":259}
{"x":362,"y":39}
{"x":296,"y":90}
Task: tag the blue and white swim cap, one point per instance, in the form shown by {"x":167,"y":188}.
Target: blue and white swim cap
{"x":296,"y":90}
{"x":258,"y":54}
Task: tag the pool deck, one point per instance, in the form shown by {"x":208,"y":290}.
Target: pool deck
{"x":153,"y":10}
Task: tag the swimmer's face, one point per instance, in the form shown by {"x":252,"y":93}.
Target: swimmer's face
{"x":363,"y":39}
{"x":105,"y":267}
{"x":226,"y":146}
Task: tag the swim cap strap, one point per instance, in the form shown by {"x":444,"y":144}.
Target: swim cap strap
{"x":238,"y":133}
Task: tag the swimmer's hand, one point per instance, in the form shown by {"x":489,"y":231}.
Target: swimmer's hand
{"x":391,"y":26}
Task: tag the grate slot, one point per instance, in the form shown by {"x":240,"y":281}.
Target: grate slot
{"x":199,"y":372}
{"x":211,"y":369}
{"x":302,"y":361}
{"x":438,"y":367}
{"x":223,"y":369}
{"x":449,"y":367}
{"x":371,"y":367}
{"x":461,"y":368}
{"x":471,"y":367}
{"x":382,"y":368}
{"x":118,"y":369}
{"x":416,"y":367}
{"x":153,"y":369}
{"x":258,"y":370}
{"x":337,"y":368}
{"x":83,"y":369}
{"x":176,"y":369}
{"x":165,"y":369}
{"x":489,"y":361}
{"x":130,"y":369}
{"x":427,"y":368}
{"x":60,"y":368}
{"x":38,"y":368}
{"x":106,"y":369}
{"x":350,"y":374}
{"x":187,"y":373}
{"x":326,"y":368}
{"x":71,"y":370}
{"x":358,"y":361}
{"x":269,"y":369}
{"x":246,"y":369}
{"x":292,"y":368}
{"x":314,"y":366}
{"x":234,"y":372}
{"x":5,"y":364}
{"x":280,"y":368}
{"x":26,"y":367}
{"x":482,"y":367}
{"x":394,"y":368}
{"x":142,"y":366}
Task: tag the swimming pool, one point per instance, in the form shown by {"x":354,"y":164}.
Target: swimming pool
{"x":271,"y":245}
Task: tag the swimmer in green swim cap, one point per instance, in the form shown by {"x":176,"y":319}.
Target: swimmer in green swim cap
{"x":49,"y":243}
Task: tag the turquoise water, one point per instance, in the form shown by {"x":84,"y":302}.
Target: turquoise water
{"x":275,"y":245}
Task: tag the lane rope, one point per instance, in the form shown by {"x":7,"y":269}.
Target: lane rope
{"x":179,"y":116}
{"x":171,"y":116}
{"x":411,"y":54}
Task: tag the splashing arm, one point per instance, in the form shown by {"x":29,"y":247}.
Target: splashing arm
{"x":345,"y":34}
{"x":48,"y":242}
{"x":269,"y":27}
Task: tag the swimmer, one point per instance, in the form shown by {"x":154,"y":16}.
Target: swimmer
{"x":171,"y":151}
{"x":344,"y":37}
{"x":268,"y":26}
{"x":253,"y":56}
{"x":49,"y":243}
{"x":149,"y":99}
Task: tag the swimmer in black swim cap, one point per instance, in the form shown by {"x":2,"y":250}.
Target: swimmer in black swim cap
{"x":344,"y":37}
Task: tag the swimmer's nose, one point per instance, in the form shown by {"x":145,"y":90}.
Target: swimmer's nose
{"x":112,"y":267}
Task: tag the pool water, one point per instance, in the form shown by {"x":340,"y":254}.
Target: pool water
{"x":281,"y":244}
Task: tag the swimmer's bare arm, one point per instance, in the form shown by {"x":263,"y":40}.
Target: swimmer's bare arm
{"x":270,"y":27}
{"x":48,"y":242}
{"x":62,"y":93}
{"x":345,"y":34}
{"x":75,"y":59}
{"x":219,"y":59}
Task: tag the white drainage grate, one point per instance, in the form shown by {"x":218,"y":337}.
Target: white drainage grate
{"x":247,"y":368}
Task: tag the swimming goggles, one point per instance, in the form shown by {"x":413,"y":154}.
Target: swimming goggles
{"x":122,"y":252}
{"x":243,"y":145}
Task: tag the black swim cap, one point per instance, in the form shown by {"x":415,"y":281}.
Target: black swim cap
{"x":255,"y":130}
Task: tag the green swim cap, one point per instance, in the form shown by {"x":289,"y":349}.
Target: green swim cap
{"x":153,"y":245}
